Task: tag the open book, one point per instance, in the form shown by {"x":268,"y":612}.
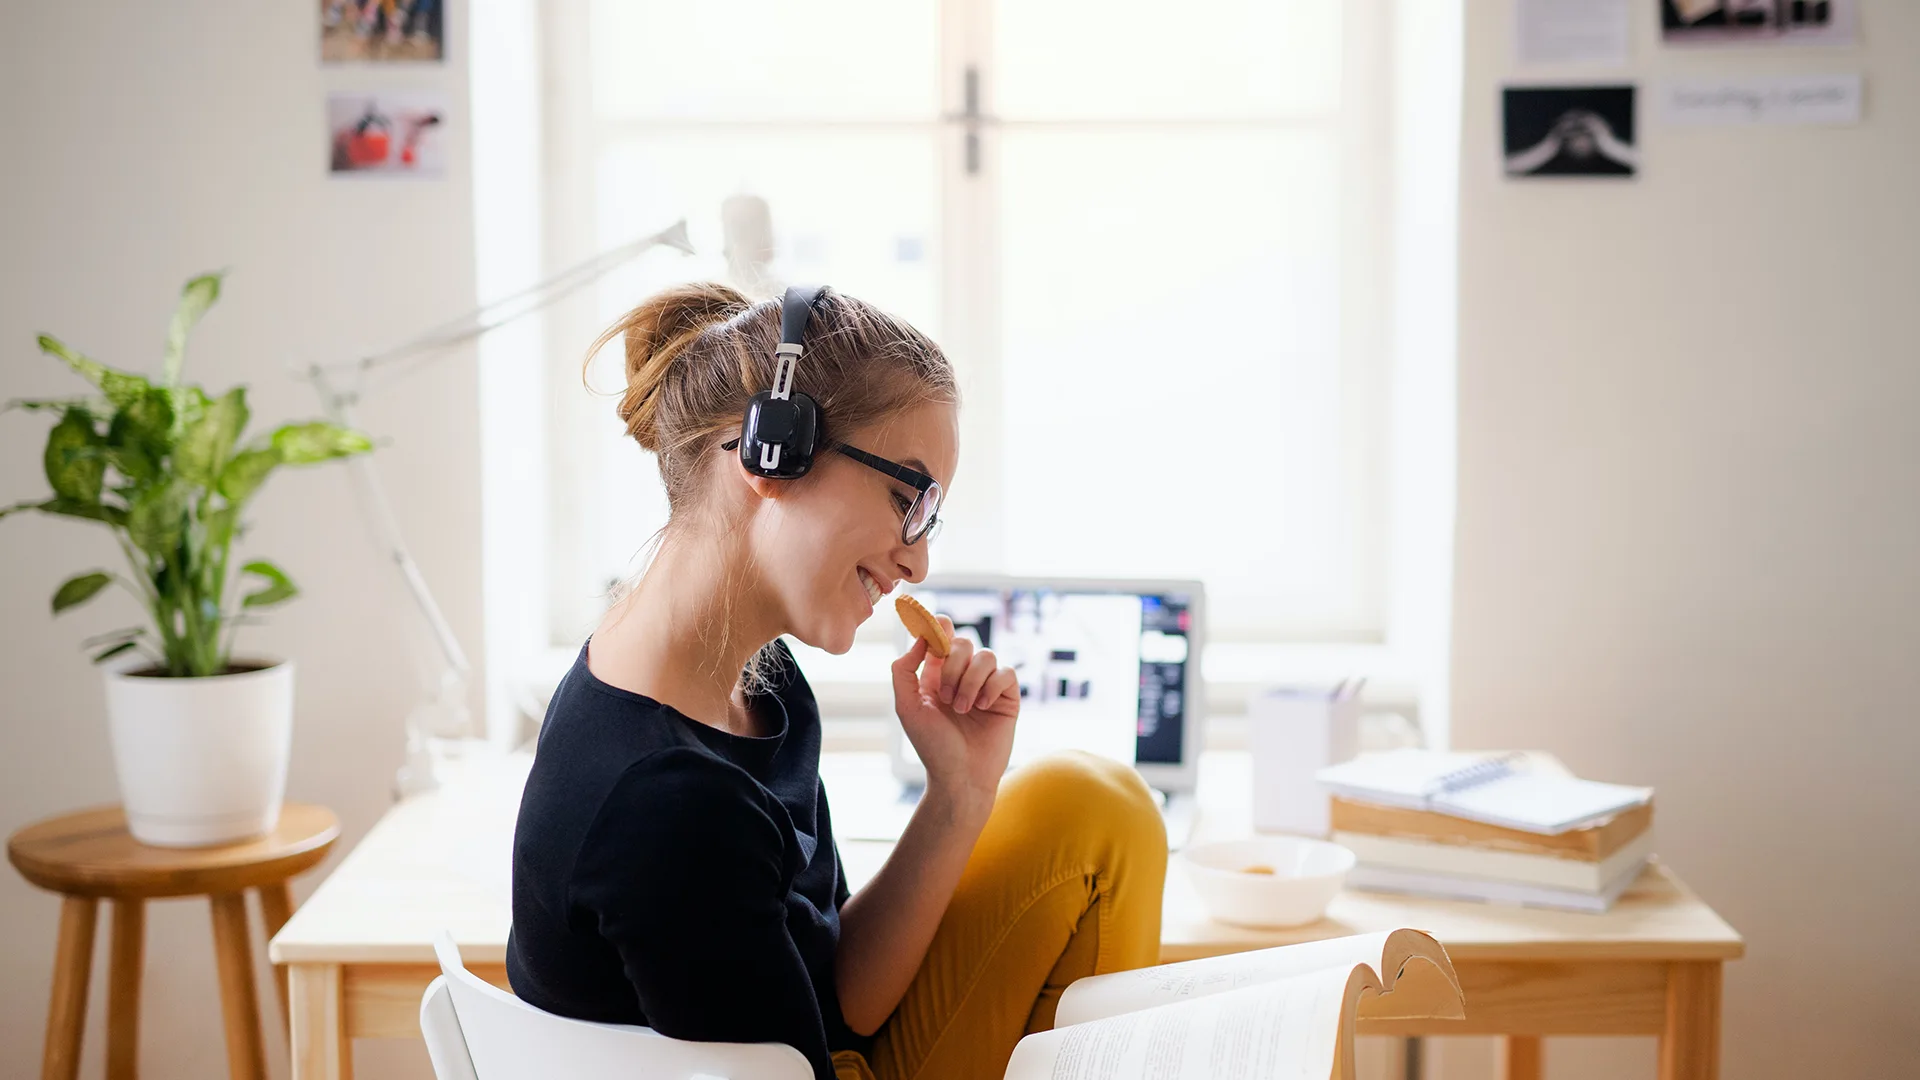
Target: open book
{"x":1284,"y":1012}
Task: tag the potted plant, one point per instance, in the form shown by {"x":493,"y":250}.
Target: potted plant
{"x":200,"y":739}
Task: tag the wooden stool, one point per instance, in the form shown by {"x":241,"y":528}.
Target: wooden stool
{"x":89,"y":856}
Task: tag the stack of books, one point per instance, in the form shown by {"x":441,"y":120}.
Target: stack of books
{"x":1473,"y":827}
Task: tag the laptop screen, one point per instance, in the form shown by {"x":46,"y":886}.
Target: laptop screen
{"x":1100,"y":670}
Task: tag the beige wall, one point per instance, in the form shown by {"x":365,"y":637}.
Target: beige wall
{"x":1688,"y":516}
{"x":1689,"y":521}
{"x":144,"y":142}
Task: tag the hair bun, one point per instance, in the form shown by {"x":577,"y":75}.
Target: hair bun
{"x":655,"y":333}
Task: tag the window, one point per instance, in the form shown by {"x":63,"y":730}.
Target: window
{"x":1147,"y":234}
{"x":1155,"y":239}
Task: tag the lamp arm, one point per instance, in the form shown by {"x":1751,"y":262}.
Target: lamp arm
{"x":373,"y":503}
{"x":338,"y":401}
{"x":423,"y":347}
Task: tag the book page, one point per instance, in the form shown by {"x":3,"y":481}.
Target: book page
{"x":1098,"y":996}
{"x":1418,"y":981}
{"x":1288,"y":1029}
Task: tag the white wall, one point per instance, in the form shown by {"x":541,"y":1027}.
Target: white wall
{"x":1689,"y":522}
{"x":145,"y":142}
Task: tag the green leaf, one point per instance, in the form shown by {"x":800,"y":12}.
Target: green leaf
{"x":115,"y":651}
{"x":150,"y":420}
{"x":278,"y":588}
{"x":122,"y":388}
{"x":195,"y":299}
{"x":93,"y":511}
{"x":165,"y":576}
{"x":208,"y":443}
{"x":138,"y":438}
{"x":134,"y":461}
{"x":189,"y":404}
{"x":79,"y":589}
{"x":24,"y":504}
{"x":245,"y":472}
{"x":317,"y":441}
{"x":155,"y":521}
{"x":72,"y":468}
{"x":221,"y":526}
{"x":96,"y":408}
{"x":125,"y":633}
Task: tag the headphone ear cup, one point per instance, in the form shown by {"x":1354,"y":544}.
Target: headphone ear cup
{"x":778,"y":438}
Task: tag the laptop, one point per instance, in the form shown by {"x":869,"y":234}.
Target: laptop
{"x":1108,"y":666}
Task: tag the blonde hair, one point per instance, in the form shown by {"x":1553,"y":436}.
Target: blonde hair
{"x":696,"y":353}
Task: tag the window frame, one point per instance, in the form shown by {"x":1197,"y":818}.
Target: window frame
{"x":1380,"y":46}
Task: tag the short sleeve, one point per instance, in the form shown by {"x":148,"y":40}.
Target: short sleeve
{"x":682,"y":873}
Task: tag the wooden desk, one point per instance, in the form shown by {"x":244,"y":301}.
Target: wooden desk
{"x":360,"y":951}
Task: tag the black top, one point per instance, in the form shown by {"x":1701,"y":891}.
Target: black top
{"x":671,"y":874}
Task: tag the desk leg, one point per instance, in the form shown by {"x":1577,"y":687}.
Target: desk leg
{"x":1522,"y":1057}
{"x":72,"y":965}
{"x":123,"y":989}
{"x":1690,"y":1045}
{"x":321,"y":1049}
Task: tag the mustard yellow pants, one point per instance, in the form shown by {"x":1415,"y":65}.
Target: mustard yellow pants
{"x":1064,"y":882}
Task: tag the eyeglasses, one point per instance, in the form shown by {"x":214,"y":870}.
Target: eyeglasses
{"x":922,"y":517}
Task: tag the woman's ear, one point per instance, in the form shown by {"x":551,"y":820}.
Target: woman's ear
{"x":761,"y":486}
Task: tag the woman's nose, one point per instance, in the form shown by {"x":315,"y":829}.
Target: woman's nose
{"x":912,"y":561}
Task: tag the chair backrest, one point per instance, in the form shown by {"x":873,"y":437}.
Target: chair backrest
{"x":440,"y":1026}
{"x":501,"y":1037}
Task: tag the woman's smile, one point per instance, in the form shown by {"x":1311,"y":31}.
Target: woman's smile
{"x":870,"y":587}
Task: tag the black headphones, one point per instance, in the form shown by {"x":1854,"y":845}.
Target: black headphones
{"x":781,"y":430}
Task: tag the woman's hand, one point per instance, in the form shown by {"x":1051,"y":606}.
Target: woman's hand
{"x":958,"y":713}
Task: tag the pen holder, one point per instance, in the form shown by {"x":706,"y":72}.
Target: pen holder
{"x":1294,"y":732}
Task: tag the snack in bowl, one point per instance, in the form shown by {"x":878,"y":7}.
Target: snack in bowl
{"x":921,"y":624}
{"x":1267,"y":880}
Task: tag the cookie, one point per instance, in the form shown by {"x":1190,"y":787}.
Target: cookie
{"x":921,"y":623}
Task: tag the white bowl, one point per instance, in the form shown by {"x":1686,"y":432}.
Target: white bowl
{"x":1306,"y":875}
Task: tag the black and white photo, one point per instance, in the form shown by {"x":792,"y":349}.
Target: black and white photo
{"x":1569,"y":131}
{"x":1757,"y":22}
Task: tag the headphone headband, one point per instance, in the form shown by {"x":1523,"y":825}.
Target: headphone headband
{"x":796,"y":310}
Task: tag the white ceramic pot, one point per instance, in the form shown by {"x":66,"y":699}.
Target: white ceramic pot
{"x":201,"y":760}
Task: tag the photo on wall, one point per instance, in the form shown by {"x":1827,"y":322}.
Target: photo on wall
{"x":1569,"y":131}
{"x":387,"y":134}
{"x":1757,"y":22}
{"x":384,"y":31}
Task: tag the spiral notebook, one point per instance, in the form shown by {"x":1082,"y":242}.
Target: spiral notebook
{"x":1499,"y":790}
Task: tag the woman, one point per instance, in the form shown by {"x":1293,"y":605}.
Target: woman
{"x":674,"y":862}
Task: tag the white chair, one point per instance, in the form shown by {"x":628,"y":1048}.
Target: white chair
{"x":477,"y":1031}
